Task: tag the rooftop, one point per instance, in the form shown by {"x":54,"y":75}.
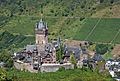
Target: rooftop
{"x":30,"y":48}
{"x":75,"y":50}
{"x":41,"y":25}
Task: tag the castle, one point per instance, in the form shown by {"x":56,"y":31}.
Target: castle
{"x":42,"y":52}
{"x":42,"y":55}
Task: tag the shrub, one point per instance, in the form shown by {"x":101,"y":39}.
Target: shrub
{"x":76,"y":79}
{"x":82,"y":18}
{"x":101,"y":1}
{"x":112,"y":1}
{"x":61,"y":69}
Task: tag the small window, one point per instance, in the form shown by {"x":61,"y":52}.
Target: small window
{"x":38,"y":42}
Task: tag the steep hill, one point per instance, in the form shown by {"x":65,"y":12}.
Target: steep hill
{"x":55,"y":7}
{"x":8,"y":41}
{"x":66,"y":18}
{"x":109,"y":12}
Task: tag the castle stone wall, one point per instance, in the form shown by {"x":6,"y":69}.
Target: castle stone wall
{"x":55,"y":67}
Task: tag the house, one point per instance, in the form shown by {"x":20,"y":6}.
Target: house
{"x":67,"y":52}
{"x":112,"y":73}
{"x":97,"y":58}
{"x":80,"y":55}
{"x":112,"y":64}
{"x":117,"y":78}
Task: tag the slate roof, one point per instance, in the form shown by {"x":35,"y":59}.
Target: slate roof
{"x":98,"y":58}
{"x":85,"y":61}
{"x":56,"y":43}
{"x":41,"y":25}
{"x":20,"y":57}
{"x":43,"y":54}
{"x":43,"y":50}
{"x":28,"y":59}
{"x":40,"y":49}
{"x":75,"y":50}
{"x":84,"y":51}
{"x":30,"y":48}
{"x":48,"y":47}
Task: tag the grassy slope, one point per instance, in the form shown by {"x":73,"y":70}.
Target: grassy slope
{"x":28,"y":12}
{"x":105,"y":30}
{"x":86,"y":29}
{"x":69,"y":28}
{"x":22,"y":25}
{"x":69,"y":75}
{"x":8,"y":40}
{"x":110,"y":12}
{"x":20,"y":16}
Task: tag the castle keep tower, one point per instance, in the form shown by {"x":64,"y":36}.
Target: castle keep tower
{"x":41,"y":33}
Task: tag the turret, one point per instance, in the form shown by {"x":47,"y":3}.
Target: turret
{"x":41,"y":32}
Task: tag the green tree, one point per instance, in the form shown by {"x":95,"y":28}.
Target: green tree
{"x":3,"y":75}
{"x":6,"y":58}
{"x":101,"y":48}
{"x":101,"y":1}
{"x":72,"y":59}
{"x":60,"y":53}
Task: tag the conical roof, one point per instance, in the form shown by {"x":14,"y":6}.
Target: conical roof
{"x":41,"y":25}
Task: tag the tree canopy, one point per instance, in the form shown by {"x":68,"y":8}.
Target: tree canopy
{"x":101,"y":49}
{"x":72,"y":59}
{"x":5,"y":57}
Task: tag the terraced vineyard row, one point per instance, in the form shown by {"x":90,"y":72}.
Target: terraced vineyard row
{"x":105,"y":31}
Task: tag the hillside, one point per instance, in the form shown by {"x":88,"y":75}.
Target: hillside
{"x":71,"y":19}
{"x":106,"y":30}
{"x":68,"y":75}
{"x":8,"y":40}
{"x":55,"y":7}
{"x":108,"y":12}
